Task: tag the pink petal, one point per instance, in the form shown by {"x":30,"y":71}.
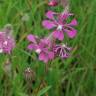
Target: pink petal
{"x":50,"y":14}
{"x":73,"y":22}
{"x":65,"y":15}
{"x":58,"y":34}
{"x":65,"y":55}
{"x":51,"y":55}
{"x":45,"y":41}
{"x":32,"y":47}
{"x":48,"y":24}
{"x":31,"y":38}
{"x":71,"y":33}
{"x":43,"y":57}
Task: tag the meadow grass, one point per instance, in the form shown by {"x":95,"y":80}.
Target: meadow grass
{"x":75,"y":76}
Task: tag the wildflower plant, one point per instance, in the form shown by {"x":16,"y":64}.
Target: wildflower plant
{"x":7,"y":43}
{"x":48,"y":58}
{"x":46,"y":47}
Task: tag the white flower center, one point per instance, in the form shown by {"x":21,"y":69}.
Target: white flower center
{"x":1,"y":50}
{"x":38,"y":50}
{"x":63,"y":45}
{"x":59,"y":27}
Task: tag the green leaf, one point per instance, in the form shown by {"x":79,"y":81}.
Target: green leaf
{"x":43,"y":91}
{"x":22,"y":94}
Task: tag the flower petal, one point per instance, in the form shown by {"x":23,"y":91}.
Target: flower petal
{"x":32,"y":47}
{"x":73,"y":22}
{"x":31,"y":38}
{"x":43,"y":57}
{"x":50,"y":14}
{"x":66,"y":55}
{"x":51,"y":55}
{"x":65,"y":16}
{"x":48,"y":24}
{"x":71,"y":33}
{"x":45,"y":42}
{"x":58,"y":34}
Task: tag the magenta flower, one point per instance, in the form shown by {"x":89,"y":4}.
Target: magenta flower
{"x":42,"y":47}
{"x":62,"y":50}
{"x":7,"y":43}
{"x":53,"y":3}
{"x":58,"y":22}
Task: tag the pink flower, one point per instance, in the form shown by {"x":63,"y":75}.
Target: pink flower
{"x":42,"y":47}
{"x":58,"y":22}
{"x":53,"y":3}
{"x":62,"y":50}
{"x":7,"y":43}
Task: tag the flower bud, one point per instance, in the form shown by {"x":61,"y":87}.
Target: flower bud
{"x":53,"y":3}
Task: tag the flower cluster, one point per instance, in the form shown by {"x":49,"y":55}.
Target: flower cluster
{"x":61,"y":25}
{"x":7,"y":43}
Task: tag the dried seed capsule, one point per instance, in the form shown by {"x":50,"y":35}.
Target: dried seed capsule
{"x":29,"y":75}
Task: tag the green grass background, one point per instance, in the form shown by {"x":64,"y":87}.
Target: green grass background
{"x":75,"y":76}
